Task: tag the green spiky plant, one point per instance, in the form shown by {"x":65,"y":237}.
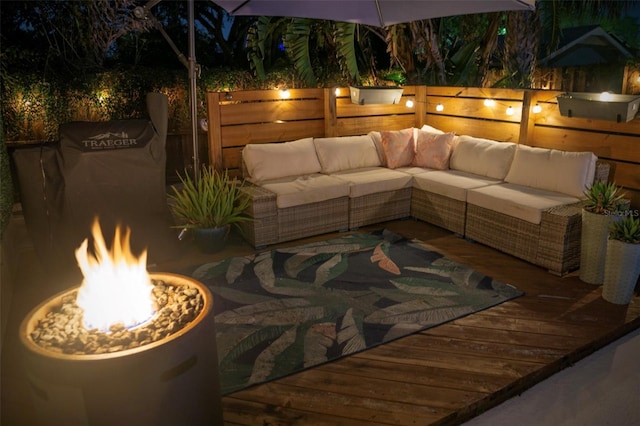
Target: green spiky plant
{"x":604,"y":197}
{"x":210,"y":200}
{"x":627,"y":230}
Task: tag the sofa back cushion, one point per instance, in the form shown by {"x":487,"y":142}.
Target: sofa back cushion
{"x":558,"y":171}
{"x":398,"y":147}
{"x":427,"y":128}
{"x":346,"y":153}
{"x":277,"y":160}
{"x":484,"y":157}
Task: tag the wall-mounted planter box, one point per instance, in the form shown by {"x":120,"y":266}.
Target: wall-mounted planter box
{"x":368,"y":95}
{"x":620,"y":108}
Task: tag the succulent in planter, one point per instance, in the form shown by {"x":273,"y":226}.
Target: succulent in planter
{"x":603,"y":198}
{"x":604,"y":205}
{"x":622,"y":266}
{"x":209,"y":204}
{"x":627,"y":230}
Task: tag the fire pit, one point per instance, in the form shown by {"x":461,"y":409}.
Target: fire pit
{"x":158,"y":367}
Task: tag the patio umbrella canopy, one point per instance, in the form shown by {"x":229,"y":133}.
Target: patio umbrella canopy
{"x":378,"y":13}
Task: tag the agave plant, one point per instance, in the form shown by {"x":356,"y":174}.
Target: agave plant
{"x":626,"y":230}
{"x":603,"y":198}
{"x":210,"y":200}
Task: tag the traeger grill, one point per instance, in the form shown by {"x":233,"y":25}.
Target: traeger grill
{"x":114,"y":170}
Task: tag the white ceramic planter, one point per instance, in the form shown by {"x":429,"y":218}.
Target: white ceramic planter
{"x":622,"y":268}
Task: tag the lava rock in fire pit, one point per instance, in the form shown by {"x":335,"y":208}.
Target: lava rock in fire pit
{"x":61,"y":330}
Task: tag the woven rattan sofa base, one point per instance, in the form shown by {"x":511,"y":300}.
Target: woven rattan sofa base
{"x":439,"y":210}
{"x":379,"y":207}
{"x":313,"y":219}
{"x":263,"y":228}
{"x":553,"y":244}
{"x":560,"y":233}
{"x":506,"y":233}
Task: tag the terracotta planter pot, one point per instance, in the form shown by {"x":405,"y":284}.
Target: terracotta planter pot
{"x":622,"y":268}
{"x":593,"y":245}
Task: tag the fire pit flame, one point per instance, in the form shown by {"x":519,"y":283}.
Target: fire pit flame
{"x":116,"y":288}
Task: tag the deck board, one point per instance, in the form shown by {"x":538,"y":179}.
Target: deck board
{"x":444,"y":375}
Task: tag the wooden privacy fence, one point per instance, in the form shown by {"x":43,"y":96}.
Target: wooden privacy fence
{"x":238,"y":118}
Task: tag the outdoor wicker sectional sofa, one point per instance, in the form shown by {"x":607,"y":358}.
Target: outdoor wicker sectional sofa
{"x":522,"y":200}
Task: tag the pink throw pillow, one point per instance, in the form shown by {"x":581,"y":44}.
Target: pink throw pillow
{"x":433,"y":150}
{"x":398,"y":146}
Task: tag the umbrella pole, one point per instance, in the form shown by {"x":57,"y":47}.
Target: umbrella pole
{"x":193,"y":71}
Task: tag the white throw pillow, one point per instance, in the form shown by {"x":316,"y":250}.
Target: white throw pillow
{"x":427,"y":128}
{"x":483,"y":157}
{"x":276,"y":160}
{"x":558,"y":171}
{"x":346,"y":153}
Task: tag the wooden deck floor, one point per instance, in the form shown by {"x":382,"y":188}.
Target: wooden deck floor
{"x":444,"y":375}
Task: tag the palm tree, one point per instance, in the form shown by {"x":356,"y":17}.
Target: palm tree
{"x":310,"y":44}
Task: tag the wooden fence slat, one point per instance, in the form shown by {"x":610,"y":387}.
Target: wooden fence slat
{"x":605,"y":145}
{"x":265,"y":112}
{"x":363,"y":125}
{"x":271,"y":132}
{"x":475,"y":108}
{"x":496,"y":130}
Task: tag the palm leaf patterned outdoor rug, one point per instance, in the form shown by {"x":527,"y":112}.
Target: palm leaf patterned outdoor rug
{"x":284,"y":310}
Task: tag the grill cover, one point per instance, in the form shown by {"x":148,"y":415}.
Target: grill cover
{"x":114,"y":171}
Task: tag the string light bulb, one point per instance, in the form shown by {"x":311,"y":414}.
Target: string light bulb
{"x":439,"y":107}
{"x":489,"y":102}
{"x":337,"y":91}
{"x":285,"y":93}
{"x":510,"y":110}
{"x":537,"y":109}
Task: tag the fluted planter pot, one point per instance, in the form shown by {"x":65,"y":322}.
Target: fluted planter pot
{"x":593,"y":245}
{"x":211,"y":240}
{"x":622,"y":268}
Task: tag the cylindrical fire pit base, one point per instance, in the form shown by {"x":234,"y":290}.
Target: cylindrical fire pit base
{"x":173,"y":381}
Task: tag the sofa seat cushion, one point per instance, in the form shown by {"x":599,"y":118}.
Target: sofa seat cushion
{"x":346,"y":153}
{"x":451,"y":183}
{"x":559,"y":171}
{"x":519,"y":201}
{"x":291,"y":192}
{"x":484,"y":157}
{"x":372,"y":180}
{"x":414,"y":170}
{"x":264,"y":161}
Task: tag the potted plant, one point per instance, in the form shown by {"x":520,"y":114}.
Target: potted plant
{"x":208,"y":205}
{"x":622,"y":265}
{"x":603,"y":205}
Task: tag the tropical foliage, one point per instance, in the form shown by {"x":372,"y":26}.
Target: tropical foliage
{"x":603,"y":198}
{"x":95,"y":57}
{"x":626,"y":230}
{"x":209,"y":200}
